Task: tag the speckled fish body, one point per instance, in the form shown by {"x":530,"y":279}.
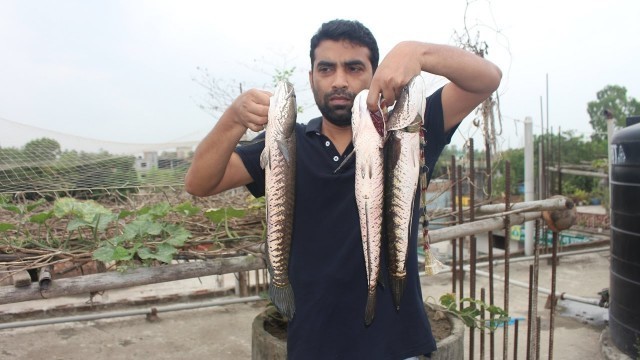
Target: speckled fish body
{"x":402,"y":171}
{"x":368,"y":145}
{"x":279,"y":161}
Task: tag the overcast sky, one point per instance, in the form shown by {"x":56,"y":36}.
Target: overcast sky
{"x":122,"y":71}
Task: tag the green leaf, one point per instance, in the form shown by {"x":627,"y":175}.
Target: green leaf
{"x":124,"y":213}
{"x":118,"y":240}
{"x":12,"y":208}
{"x":448,"y":300}
{"x":177,"y":235}
{"x":6,"y":227}
{"x":234,"y":213}
{"x":76,"y":223}
{"x":156,"y":211}
{"x":164,"y":252}
{"x":41,"y":218}
{"x":221,"y":214}
{"x":139,"y":228}
{"x":120,"y":253}
{"x":34,"y":205}
{"x":187,"y":209}
{"x":86,"y":209}
{"x":101,"y":221}
{"x":104,"y":253}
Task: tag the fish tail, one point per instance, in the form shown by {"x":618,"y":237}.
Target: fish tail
{"x":282,"y":298}
{"x":370,"y":310}
{"x":397,"y":288}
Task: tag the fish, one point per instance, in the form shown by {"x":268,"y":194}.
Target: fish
{"x":278,"y":159}
{"x":402,"y":173}
{"x":368,"y":142}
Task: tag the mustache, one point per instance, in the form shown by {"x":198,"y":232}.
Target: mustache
{"x":342,"y":93}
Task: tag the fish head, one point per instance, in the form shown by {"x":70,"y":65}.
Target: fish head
{"x":410,"y":107}
{"x":283,"y":109}
{"x":361,"y":114}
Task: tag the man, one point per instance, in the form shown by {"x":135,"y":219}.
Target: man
{"x":326,"y":269}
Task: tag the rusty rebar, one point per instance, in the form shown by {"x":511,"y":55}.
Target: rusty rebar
{"x":507,"y":250}
{"x":482,"y":318}
{"x":529,"y":319}
{"x":461,"y":239}
{"x":538,"y":322}
{"x":487,"y":150}
{"x":472,"y":242}
{"x":452,"y":179}
{"x":554,"y":262}
{"x":515,"y":339}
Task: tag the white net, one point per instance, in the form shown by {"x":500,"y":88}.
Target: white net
{"x":38,"y":160}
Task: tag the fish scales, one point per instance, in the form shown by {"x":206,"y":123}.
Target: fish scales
{"x":402,"y":172}
{"x":279,"y":161}
{"x":369,"y":192}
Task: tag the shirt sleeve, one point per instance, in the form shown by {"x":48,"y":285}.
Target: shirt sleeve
{"x":435,"y":136}
{"x":250,"y":155}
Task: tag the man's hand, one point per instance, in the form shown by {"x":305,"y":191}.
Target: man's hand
{"x":251,"y":109}
{"x":395,"y":71}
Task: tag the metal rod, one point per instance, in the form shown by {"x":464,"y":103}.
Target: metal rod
{"x":452,"y":176}
{"x":538,"y":322}
{"x":554,"y":260}
{"x":460,"y":239}
{"x":482,"y":318}
{"x":472,"y":240}
{"x":529,"y":314}
{"x":89,"y":317}
{"x":488,"y":172}
{"x":515,"y":339}
{"x":507,"y":250}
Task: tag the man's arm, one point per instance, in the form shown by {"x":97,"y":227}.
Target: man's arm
{"x":472,"y":78}
{"x":215,"y":166}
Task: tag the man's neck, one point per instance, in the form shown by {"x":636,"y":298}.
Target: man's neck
{"x":340,"y":136}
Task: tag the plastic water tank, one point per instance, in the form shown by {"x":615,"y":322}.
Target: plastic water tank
{"x":624,"y":287}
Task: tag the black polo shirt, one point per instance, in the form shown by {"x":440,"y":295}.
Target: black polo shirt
{"x":327,"y":267}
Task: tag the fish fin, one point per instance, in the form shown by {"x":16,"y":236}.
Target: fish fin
{"x":264,"y":158}
{"x":370,"y":310}
{"x":397,"y":288}
{"x":282,"y":298}
{"x":344,"y":162}
{"x":284,"y":150}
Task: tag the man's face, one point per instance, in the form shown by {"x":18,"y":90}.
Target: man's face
{"x":340,"y":71}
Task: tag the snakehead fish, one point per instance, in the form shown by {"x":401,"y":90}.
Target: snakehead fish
{"x":402,"y":171}
{"x":279,"y":161}
{"x":368,"y":142}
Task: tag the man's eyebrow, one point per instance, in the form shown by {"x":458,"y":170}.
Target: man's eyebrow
{"x":354,"y":62}
{"x":326,"y":63}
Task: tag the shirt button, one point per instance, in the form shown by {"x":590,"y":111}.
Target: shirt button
{"x":335,"y":158}
{"x":327,"y":143}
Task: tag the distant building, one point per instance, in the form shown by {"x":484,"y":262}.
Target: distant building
{"x":147,"y":161}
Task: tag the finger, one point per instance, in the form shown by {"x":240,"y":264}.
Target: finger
{"x":263,"y":97}
{"x":373,"y":99}
{"x":388,"y":97}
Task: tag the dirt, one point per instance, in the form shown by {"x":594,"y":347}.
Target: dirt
{"x":440,"y":325}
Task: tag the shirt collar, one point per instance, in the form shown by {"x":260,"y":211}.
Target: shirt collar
{"x":314,"y":126}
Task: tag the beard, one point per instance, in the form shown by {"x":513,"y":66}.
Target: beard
{"x":339,"y":115}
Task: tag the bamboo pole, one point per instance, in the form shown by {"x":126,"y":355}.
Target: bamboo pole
{"x":141,"y":276}
{"x":479,"y":226}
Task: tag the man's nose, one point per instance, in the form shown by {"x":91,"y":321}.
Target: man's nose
{"x":340,"y":80}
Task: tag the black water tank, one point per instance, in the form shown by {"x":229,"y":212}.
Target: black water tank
{"x":624,"y":287}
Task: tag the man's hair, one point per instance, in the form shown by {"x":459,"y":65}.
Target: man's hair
{"x":350,"y":30}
